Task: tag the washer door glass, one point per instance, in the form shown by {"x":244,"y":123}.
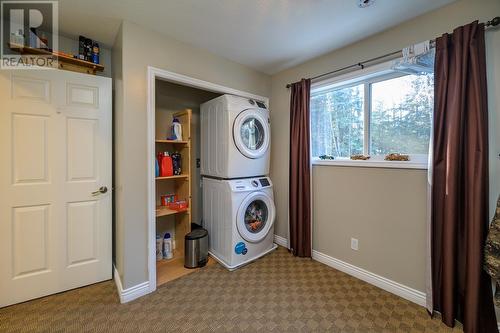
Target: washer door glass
{"x":255,"y":216}
{"x":251,"y":133}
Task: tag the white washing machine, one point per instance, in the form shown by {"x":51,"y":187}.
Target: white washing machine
{"x":239,"y":216}
{"x":235,"y":138}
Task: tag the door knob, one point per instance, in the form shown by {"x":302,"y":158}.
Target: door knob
{"x":101,"y":190}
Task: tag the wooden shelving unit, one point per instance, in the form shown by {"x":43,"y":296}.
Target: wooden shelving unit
{"x":64,"y":61}
{"x":167,"y":270}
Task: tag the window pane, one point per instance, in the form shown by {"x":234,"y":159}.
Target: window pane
{"x":337,"y":122}
{"x":401,"y":114}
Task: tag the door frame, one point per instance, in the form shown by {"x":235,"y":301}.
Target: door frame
{"x":154,"y":73}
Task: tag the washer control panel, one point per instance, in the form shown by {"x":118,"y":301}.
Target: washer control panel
{"x":249,"y":184}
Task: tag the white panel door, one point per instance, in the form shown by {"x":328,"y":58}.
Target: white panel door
{"x":55,"y":147}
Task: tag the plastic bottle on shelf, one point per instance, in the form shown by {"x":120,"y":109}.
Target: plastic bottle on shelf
{"x":167,"y":247}
{"x":159,"y":246}
{"x":176,"y":129}
{"x":159,"y":158}
{"x":166,"y":166}
{"x":176,"y":162}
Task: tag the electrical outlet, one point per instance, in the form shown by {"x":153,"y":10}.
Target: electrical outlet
{"x":354,"y":244}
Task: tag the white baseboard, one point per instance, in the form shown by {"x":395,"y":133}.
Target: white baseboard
{"x":129,"y":294}
{"x":282,"y":241}
{"x":393,"y":287}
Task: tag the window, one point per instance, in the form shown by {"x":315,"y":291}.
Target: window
{"x":381,"y":113}
{"x":401,"y":112}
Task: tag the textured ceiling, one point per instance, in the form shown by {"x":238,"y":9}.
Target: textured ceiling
{"x":268,"y":35}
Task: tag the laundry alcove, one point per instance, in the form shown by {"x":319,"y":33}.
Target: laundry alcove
{"x":181,"y":102}
{"x":172,"y":94}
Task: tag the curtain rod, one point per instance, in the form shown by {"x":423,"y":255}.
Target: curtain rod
{"x":492,"y":23}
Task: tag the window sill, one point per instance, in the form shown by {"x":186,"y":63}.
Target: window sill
{"x":420,"y":165}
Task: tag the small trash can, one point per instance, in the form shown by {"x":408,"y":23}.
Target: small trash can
{"x":196,"y":248}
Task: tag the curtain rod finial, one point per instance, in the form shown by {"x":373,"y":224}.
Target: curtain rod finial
{"x":494,"y":22}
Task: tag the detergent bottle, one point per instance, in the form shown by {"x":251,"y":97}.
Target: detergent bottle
{"x":176,"y":129}
{"x":158,"y":164}
{"x":166,"y":168}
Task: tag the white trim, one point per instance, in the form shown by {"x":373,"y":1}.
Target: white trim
{"x":369,"y":73}
{"x":393,"y":287}
{"x":200,"y":84}
{"x":151,"y":211}
{"x":154,"y":73}
{"x":372,"y":164}
{"x":281,"y":241}
{"x":129,"y":294}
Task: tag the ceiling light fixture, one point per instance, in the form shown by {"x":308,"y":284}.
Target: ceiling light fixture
{"x":365,"y":3}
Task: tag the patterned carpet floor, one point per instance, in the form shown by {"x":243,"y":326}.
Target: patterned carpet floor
{"x":278,"y":293}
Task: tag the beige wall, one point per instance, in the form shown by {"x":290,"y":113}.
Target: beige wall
{"x":493,"y":77}
{"x":384,"y":209}
{"x":395,"y":246}
{"x":141,"y":48}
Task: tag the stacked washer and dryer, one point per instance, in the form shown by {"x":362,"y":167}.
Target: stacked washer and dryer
{"x":238,"y":206}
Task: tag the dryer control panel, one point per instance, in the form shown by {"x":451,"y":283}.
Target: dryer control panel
{"x":264,"y":182}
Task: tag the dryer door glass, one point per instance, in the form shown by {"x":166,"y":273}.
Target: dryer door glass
{"x":252,"y":133}
{"x":256,"y":216}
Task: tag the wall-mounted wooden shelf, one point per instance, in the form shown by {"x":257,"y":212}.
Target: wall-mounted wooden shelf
{"x":64,"y":61}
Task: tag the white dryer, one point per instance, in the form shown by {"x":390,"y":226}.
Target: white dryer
{"x":235,"y":138}
{"x":239,"y":216}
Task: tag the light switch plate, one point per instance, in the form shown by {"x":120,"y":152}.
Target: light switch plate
{"x":354,"y":244}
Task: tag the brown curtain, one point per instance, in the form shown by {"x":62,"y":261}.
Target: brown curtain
{"x":461,"y":288}
{"x":300,"y":170}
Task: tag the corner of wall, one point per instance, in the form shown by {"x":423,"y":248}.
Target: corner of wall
{"x":117,"y":52}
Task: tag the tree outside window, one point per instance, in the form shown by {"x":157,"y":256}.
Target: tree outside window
{"x":399,"y":121}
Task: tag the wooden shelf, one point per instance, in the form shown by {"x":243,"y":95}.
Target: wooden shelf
{"x":165,"y":211}
{"x":64,"y":59}
{"x":180,"y":142}
{"x":173,"y":177}
{"x":171,"y":269}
